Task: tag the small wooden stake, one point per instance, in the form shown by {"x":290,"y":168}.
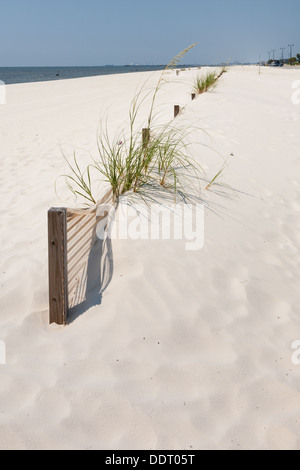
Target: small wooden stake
{"x":57,"y":252}
{"x":146,"y":137}
{"x":176,"y":110}
{"x":193,"y":96}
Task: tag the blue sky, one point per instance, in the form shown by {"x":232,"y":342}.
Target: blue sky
{"x":100,"y":32}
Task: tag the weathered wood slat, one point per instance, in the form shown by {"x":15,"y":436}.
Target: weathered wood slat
{"x":71,"y":234}
{"x":76,"y":219}
{"x":81,"y":250}
{"x":57,"y":252}
{"x":78,"y":229}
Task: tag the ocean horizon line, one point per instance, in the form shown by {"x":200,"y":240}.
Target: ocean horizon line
{"x":30,"y":74}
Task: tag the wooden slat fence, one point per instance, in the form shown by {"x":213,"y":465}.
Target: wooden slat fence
{"x":71,"y":236}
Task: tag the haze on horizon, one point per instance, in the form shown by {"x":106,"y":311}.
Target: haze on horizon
{"x":100,"y":32}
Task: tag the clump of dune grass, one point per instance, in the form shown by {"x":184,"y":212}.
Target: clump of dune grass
{"x":138,"y":165}
{"x":162,"y":162}
{"x":204,"y":83}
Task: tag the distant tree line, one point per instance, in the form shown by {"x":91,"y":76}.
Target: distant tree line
{"x":292,"y":61}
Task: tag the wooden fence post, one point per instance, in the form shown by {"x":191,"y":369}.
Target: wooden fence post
{"x":146,"y":137}
{"x":176,"y":110}
{"x":193,"y":96}
{"x":57,"y":252}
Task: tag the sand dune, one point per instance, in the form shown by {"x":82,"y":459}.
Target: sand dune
{"x":185,"y":350}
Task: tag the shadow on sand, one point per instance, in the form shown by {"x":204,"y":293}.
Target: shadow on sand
{"x":99,"y":274}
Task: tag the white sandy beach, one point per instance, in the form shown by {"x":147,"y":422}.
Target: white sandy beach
{"x":188,"y":349}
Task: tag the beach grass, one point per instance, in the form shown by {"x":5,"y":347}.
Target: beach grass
{"x":162,"y":161}
{"x":202,"y":84}
{"x":79,"y":182}
{"x":216,"y":178}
